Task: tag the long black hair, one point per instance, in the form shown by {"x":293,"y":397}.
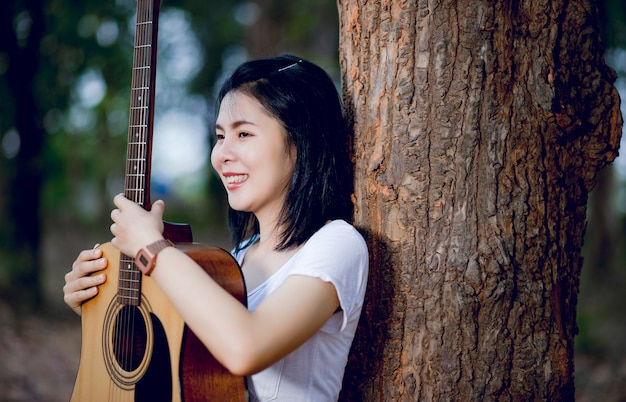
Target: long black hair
{"x":304,"y":99}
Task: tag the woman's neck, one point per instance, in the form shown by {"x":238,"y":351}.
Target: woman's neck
{"x":270,"y":234}
{"x":262,"y":259}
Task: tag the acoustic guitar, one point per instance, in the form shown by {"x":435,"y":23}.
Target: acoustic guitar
{"x":135,"y":346}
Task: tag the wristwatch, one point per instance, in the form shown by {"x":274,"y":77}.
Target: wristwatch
{"x":146,"y":257}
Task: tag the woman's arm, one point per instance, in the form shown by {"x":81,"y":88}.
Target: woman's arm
{"x":244,"y":342}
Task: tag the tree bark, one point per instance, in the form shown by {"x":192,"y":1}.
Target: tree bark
{"x":479,"y":130}
{"x":22,"y":232}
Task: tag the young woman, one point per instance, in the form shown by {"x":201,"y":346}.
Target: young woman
{"x":280,"y":152}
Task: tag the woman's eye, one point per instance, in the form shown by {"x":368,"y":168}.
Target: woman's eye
{"x":219,"y":137}
{"x":244,"y":134}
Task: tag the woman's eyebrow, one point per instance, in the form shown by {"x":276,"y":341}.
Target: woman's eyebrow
{"x":235,"y":124}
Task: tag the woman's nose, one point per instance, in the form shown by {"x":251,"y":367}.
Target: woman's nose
{"x":223,"y":151}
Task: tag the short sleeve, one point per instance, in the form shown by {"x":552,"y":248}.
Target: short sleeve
{"x":338,"y":254}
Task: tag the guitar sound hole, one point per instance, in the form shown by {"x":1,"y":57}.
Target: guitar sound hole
{"x":129,"y":338}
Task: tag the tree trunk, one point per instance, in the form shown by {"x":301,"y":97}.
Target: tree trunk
{"x":263,"y":36}
{"x":22,"y":229}
{"x":479,"y":129}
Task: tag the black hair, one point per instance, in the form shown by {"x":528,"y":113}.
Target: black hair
{"x":305,"y":100}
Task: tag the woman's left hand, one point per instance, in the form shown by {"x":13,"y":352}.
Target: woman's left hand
{"x":133,"y":227}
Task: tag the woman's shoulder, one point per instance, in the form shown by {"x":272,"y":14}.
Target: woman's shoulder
{"x":339,"y":227}
{"x":338,"y":234}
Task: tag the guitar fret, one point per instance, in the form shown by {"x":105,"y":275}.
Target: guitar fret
{"x":140,"y":77}
{"x":127,"y":284}
{"x":128,"y":297}
{"x":132,"y":300}
{"x":127,"y":289}
{"x":132,"y":276}
{"x":139,"y":82}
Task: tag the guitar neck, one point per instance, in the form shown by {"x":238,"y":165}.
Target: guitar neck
{"x":140,"y":127}
{"x":141,"y":114}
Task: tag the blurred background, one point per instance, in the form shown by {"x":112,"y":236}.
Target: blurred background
{"x":65,"y":69}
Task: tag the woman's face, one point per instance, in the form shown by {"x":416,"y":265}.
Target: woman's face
{"x":251,"y":156}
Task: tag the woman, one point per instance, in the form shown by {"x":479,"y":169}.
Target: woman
{"x":280,"y":152}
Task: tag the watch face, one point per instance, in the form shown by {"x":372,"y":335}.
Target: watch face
{"x":143,"y":260}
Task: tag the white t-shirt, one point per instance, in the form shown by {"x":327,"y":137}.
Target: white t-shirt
{"x":337,"y":254}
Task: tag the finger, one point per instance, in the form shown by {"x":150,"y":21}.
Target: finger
{"x":91,"y":266}
{"x":158,"y":208}
{"x":88,"y":282}
{"x":87,"y":255}
{"x":120,"y":201}
{"x":75,"y":299}
{"x":81,"y":266}
{"x":83,"y":283}
{"x":84,"y":268}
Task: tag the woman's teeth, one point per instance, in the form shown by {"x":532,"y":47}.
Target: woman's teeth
{"x":236,"y":179}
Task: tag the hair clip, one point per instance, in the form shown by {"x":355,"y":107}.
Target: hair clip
{"x":289,"y":66}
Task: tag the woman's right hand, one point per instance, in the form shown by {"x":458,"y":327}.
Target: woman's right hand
{"x":80,"y":286}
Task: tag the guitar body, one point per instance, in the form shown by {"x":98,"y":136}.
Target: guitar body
{"x":145,"y":352}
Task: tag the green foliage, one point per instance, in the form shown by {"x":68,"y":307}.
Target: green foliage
{"x":85,"y":143}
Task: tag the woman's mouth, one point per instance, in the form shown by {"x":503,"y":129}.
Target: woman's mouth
{"x":236,"y":179}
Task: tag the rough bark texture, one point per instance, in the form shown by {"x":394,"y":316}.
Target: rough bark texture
{"x":480,"y":128}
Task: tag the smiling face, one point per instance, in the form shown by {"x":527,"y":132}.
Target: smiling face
{"x":252,"y":156}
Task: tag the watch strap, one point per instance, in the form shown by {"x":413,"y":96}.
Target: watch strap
{"x":146,"y":257}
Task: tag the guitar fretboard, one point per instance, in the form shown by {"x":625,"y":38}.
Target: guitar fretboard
{"x":141,"y":102}
{"x":129,"y":287}
{"x":140,"y":122}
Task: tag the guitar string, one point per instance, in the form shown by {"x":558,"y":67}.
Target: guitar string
{"x":141,"y":32}
{"x":133,"y":182}
{"x":145,"y":72}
